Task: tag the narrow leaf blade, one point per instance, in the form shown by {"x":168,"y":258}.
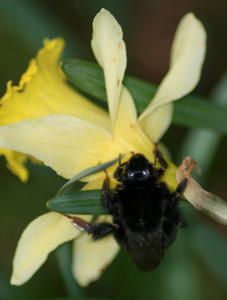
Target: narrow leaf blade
{"x":85,"y":173}
{"x":78,"y":202}
{"x":191,"y":111}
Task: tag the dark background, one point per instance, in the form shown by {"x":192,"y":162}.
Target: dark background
{"x":196,"y":265}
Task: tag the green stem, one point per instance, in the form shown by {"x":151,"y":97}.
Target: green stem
{"x":64,"y":258}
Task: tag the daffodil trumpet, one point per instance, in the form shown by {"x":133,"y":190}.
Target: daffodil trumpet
{"x":44,"y":118}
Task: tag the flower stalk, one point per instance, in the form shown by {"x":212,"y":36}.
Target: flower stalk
{"x":44,"y":118}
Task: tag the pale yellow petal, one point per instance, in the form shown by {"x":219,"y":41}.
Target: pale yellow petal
{"x":127,"y":131}
{"x":92,"y":257}
{"x":169,"y":176}
{"x":95,"y":184}
{"x":135,"y":140}
{"x":126,"y":115}
{"x":42,"y":236}
{"x":156,"y":124}
{"x":188,"y":52}
{"x":109,"y":49}
{"x":187,"y":56}
{"x":66,"y":144}
{"x":128,"y":142}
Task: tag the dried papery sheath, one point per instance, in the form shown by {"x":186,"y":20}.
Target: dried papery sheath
{"x":206,"y":202}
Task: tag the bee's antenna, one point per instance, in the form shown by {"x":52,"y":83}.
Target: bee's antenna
{"x":119,"y":159}
{"x":132,"y":152}
{"x":106,"y":173}
{"x":155,"y":152}
{"x":158,"y":157}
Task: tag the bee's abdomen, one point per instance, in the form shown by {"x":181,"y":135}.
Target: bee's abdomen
{"x":141,"y":208}
{"x":146,"y":250}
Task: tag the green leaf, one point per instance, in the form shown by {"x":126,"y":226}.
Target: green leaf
{"x":191,"y":111}
{"x":78,"y":202}
{"x":85,"y":173}
{"x":85,"y":76}
{"x":69,"y":201}
{"x":211,"y":247}
{"x":207,"y":242}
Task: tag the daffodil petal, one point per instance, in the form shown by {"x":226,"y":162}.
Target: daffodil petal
{"x":66,"y":144}
{"x":127,"y":130}
{"x":92,"y":257}
{"x":126,"y":116}
{"x":187,"y":56}
{"x":15,"y":163}
{"x":42,"y":236}
{"x":42,"y":91}
{"x":95,"y":184}
{"x":109,"y":49}
{"x":156,"y":124}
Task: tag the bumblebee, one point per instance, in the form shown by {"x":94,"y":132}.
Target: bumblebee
{"x":145,"y":212}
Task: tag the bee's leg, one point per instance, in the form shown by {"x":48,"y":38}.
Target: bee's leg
{"x":100,"y":230}
{"x":120,"y":160}
{"x":97,"y":230}
{"x":79,"y":223}
{"x":120,"y":166}
{"x":173,"y":218}
{"x":120,"y":163}
{"x":158,"y":157}
{"x":172,"y":213}
{"x":181,"y":188}
{"x":107,"y":195}
{"x":185,"y":168}
{"x":178,"y":193}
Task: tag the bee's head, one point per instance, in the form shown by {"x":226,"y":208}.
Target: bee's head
{"x":137,"y":169}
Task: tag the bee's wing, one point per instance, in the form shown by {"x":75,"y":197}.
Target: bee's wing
{"x":203,"y":200}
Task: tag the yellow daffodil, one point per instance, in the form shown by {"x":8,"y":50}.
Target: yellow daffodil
{"x":45,"y":118}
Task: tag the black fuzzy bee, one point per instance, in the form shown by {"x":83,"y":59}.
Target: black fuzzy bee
{"x":145,"y":212}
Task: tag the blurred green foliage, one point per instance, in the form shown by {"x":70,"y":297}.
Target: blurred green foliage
{"x":195,"y":266}
{"x":88,"y":78}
